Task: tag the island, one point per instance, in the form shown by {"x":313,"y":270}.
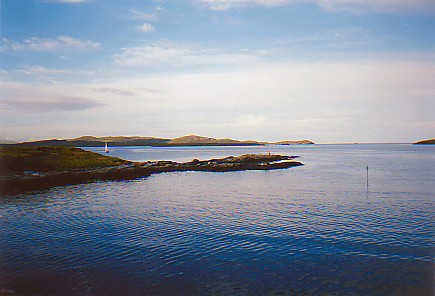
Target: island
{"x":119,"y":141}
{"x":28,"y":168}
{"x":426,"y":142}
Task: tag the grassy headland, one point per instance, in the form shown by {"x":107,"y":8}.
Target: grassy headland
{"x":36,"y":168}
{"x":44,"y":159}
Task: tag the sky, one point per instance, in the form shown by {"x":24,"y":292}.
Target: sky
{"x":330,"y":71}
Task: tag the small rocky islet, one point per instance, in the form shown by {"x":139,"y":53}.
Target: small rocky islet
{"x":38,"y":168}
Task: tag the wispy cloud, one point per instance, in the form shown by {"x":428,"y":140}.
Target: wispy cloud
{"x":50,"y":104}
{"x":115,"y":91}
{"x":336,"y":41}
{"x":270,"y":101}
{"x":66,"y":1}
{"x":353,"y":6}
{"x":37,"y":74}
{"x":151,"y":55}
{"x":39,"y":44}
{"x":39,"y":70}
{"x":145,"y":27}
{"x":140,"y":15}
{"x":178,"y":55}
{"x":390,"y":6}
{"x":226,"y":4}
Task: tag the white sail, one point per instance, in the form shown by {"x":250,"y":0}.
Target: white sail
{"x":106,"y":149}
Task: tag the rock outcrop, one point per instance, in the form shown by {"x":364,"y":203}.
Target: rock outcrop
{"x":231,"y":163}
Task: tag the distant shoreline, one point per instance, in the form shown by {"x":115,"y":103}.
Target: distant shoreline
{"x":122,"y":141}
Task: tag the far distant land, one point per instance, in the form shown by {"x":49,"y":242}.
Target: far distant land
{"x":426,"y":142}
{"x":191,"y":140}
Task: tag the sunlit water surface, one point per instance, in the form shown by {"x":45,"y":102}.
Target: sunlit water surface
{"x":314,"y":230}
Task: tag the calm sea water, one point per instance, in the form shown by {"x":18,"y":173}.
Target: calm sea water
{"x":311,"y":230}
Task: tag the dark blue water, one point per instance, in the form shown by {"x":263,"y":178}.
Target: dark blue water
{"x":310,"y":230}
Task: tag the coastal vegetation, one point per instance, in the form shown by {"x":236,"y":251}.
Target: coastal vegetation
{"x":18,"y":159}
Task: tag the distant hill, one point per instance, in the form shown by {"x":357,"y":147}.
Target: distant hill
{"x":194,"y":140}
{"x":90,"y":141}
{"x":190,"y":140}
{"x":426,"y":142}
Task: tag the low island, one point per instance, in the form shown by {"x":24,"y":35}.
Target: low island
{"x":36,"y":168}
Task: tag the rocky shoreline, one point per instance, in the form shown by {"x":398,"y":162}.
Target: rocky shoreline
{"x":30,"y":181}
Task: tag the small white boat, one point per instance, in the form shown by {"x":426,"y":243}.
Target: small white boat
{"x":106,"y":149}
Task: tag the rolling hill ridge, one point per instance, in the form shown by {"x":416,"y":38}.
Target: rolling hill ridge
{"x":190,"y":140}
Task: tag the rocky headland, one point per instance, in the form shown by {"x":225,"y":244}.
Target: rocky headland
{"x":38,"y":168}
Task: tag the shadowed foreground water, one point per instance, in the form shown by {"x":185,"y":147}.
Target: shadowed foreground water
{"x":314,"y":229}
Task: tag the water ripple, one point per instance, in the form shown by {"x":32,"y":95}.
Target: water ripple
{"x":268,"y":233}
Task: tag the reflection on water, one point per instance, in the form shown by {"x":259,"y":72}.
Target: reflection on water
{"x":308,"y":230}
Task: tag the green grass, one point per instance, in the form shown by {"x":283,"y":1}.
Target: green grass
{"x":43,"y":159}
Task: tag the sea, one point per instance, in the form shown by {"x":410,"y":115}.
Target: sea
{"x":355,"y":219}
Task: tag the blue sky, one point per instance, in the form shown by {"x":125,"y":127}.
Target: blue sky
{"x":325,"y":70}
